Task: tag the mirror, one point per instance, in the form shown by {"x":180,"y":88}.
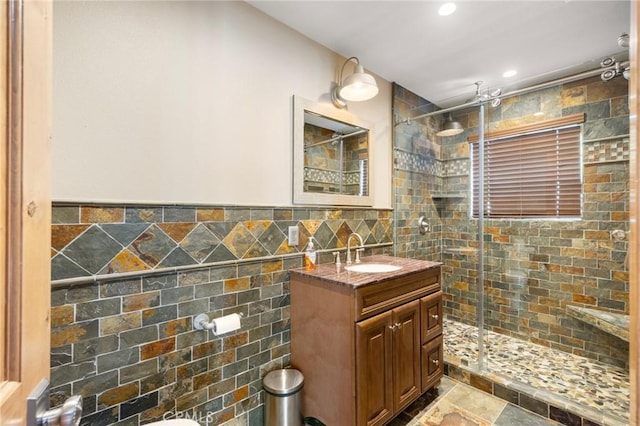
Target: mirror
{"x":331,"y":156}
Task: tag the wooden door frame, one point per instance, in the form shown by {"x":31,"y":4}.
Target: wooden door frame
{"x":25,"y":212}
{"x":634,"y":216}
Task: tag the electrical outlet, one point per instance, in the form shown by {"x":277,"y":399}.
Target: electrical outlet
{"x":293,"y":236}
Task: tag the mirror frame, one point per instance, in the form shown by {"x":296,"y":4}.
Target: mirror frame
{"x":300,"y":196}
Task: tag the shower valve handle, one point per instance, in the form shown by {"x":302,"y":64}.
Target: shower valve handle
{"x":423,"y":225}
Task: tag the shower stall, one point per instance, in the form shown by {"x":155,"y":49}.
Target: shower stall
{"x":528,"y":210}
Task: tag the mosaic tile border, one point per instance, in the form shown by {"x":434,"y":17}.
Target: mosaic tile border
{"x":455,"y":167}
{"x":615,"y":149}
{"x":602,"y":151}
{"x":321,"y":175}
{"x":331,"y":176}
{"x":413,"y":162}
{"x":103,"y":240}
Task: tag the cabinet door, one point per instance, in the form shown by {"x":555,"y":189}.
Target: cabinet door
{"x":432,"y":365}
{"x":431,"y":307}
{"x":406,"y":354}
{"x":374,"y":397}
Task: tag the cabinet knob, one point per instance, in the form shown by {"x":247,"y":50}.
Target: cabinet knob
{"x":435,"y":317}
{"x":395,"y":326}
{"x":436,"y":362}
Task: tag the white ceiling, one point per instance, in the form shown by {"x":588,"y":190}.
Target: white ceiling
{"x":440,"y":58}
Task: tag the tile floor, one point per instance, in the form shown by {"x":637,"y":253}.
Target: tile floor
{"x":594,"y":390}
{"x":457,"y":404}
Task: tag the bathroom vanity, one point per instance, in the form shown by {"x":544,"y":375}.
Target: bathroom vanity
{"x":368,"y":344}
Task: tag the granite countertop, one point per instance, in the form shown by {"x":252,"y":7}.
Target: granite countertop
{"x":338,"y":275}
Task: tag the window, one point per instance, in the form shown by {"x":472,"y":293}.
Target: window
{"x":531,"y":172}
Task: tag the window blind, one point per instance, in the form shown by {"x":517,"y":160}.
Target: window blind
{"x":531,"y":175}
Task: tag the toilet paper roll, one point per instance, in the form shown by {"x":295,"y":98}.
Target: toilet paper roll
{"x":226,"y":324}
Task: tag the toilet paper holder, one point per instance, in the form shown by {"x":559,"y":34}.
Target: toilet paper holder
{"x":202,"y":322}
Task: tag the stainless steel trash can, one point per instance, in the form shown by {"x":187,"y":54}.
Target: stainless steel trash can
{"x":282,"y":397}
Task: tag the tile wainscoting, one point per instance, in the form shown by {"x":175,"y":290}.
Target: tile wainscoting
{"x":128,"y":280}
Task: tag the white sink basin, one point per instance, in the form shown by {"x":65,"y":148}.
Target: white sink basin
{"x":372,"y":267}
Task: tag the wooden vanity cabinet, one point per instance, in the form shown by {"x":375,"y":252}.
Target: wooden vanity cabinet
{"x":366,"y":352}
{"x":374,"y":372}
{"x":388,"y":363}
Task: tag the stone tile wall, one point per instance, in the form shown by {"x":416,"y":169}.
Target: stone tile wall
{"x":417,"y":172}
{"x":126,"y":342}
{"x":534,"y":269}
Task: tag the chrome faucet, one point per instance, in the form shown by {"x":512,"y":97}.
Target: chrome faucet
{"x":354,"y":234}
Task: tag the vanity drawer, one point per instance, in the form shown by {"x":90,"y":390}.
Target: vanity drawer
{"x":431,"y":316}
{"x":432,"y":363}
{"x":376,"y":298}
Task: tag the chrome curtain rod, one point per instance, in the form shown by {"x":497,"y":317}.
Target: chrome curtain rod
{"x":555,"y":82}
{"x":335,"y":138}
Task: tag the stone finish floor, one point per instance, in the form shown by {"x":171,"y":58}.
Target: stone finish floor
{"x":558,"y":378}
{"x":457,"y":404}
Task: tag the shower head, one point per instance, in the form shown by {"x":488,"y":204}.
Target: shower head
{"x":450,"y":127}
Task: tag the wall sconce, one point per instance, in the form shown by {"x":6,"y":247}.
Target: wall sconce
{"x":450,"y":127}
{"x":358,"y":86}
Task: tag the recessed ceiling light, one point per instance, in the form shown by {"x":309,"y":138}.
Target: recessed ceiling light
{"x":509,"y":73}
{"x":447,"y":9}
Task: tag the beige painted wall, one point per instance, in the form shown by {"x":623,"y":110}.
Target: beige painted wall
{"x":188,"y":102}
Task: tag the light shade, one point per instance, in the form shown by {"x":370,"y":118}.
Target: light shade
{"x":358,"y":86}
{"x":450,"y":127}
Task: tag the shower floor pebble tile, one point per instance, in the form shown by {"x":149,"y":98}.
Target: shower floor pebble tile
{"x":579,"y":380}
